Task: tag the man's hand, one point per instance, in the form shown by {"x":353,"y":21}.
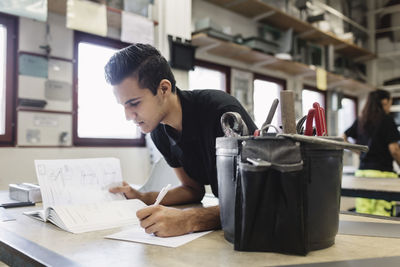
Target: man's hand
{"x":164,"y":221}
{"x":127,"y":190}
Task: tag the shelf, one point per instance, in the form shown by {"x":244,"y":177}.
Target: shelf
{"x":33,"y":109}
{"x":262,"y":12}
{"x":254,"y":58}
{"x":113,"y":14}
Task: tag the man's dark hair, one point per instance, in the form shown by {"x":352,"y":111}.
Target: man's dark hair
{"x":141,"y":61}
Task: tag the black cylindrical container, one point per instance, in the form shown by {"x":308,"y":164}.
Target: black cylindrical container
{"x":323,"y":167}
{"x":288,"y":203}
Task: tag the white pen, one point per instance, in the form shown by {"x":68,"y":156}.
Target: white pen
{"x":162,"y":194}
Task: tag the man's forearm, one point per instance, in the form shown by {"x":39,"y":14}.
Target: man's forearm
{"x":202,"y":219}
{"x":176,"y":196}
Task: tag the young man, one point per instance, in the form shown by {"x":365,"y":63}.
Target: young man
{"x":183,"y":126}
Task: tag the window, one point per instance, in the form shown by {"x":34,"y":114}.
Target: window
{"x":99,"y":119}
{"x":265,"y":91}
{"x":347,"y":114}
{"x":3,"y":47}
{"x":309,"y":96}
{"x":395,"y":111}
{"x":7,"y":68}
{"x":209,"y":76}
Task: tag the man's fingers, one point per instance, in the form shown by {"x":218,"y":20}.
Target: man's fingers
{"x":149,"y":221}
{"x":120,"y":189}
{"x":146,"y":212}
{"x":151,"y":229}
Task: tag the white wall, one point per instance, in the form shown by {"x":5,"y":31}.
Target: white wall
{"x":16,"y":163}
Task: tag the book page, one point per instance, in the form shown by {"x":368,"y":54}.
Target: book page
{"x":78,"y":181}
{"x":96,"y":216}
{"x":37,"y":214}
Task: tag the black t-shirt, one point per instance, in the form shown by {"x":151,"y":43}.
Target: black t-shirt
{"x":194,"y":147}
{"x":378,"y":157}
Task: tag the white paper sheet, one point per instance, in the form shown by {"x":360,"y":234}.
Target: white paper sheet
{"x":34,"y":9}
{"x":87,"y":16}
{"x":137,"y":234}
{"x":136,"y":29}
{"x":78,"y":181}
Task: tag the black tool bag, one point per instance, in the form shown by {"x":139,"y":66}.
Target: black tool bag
{"x":278,"y":194}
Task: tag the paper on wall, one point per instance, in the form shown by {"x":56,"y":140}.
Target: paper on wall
{"x":136,"y":29}
{"x":35,"y":66}
{"x":140,"y":7}
{"x":87,"y":16}
{"x":33,"y":9}
{"x":321,"y":79}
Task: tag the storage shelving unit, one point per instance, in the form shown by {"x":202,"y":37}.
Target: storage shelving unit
{"x":249,"y":56}
{"x":264,"y":13}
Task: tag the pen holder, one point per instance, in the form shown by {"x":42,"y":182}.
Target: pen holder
{"x":278,"y":194}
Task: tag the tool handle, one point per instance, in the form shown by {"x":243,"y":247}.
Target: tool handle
{"x":309,"y":122}
{"x":287,"y":111}
{"x":320,"y":122}
{"x":271,"y":113}
{"x":232,"y":124}
{"x":325,"y":141}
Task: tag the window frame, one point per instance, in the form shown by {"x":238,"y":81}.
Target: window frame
{"x":355,"y":101}
{"x":312,"y":88}
{"x":11,"y":24}
{"x":263,"y":77}
{"x":217,"y":67}
{"x":99,"y":142}
{"x":282,"y":82}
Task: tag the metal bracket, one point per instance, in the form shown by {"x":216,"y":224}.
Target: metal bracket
{"x":306,"y":33}
{"x":204,"y":49}
{"x":340,"y":46}
{"x":265,"y":62}
{"x":233,"y":3}
{"x":338,"y":83}
{"x":263,"y":15}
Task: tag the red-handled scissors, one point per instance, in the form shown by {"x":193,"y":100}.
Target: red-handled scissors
{"x":318,"y":113}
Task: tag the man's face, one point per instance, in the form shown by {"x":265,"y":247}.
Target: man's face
{"x":141,"y":106}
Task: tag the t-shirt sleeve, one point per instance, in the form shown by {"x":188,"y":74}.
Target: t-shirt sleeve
{"x":162,"y":143}
{"x":391,"y":133}
{"x":352,"y":131}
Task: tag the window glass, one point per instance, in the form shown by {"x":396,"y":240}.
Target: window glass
{"x":99,"y":114}
{"x":205,"y":78}
{"x":308,"y":99}
{"x":347,"y":114}
{"x":3,"y":49}
{"x":264,"y":94}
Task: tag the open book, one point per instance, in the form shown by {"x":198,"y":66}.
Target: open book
{"x":76,"y":198}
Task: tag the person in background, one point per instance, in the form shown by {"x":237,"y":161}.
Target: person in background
{"x":376,"y":129}
{"x":183,"y":125}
